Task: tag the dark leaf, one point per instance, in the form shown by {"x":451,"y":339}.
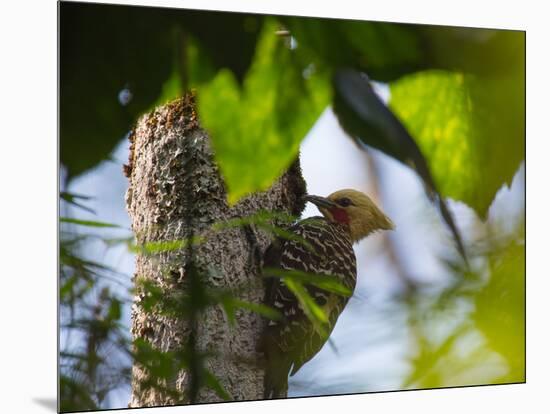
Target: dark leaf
{"x":386,"y":51}
{"x":72,"y":199}
{"x":115,"y":61}
{"x":88,"y":223}
{"x":364,"y":116}
{"x":114,"y":310}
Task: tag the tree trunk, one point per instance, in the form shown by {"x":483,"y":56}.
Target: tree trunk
{"x":175,"y":192}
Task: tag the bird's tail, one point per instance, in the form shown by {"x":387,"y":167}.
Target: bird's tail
{"x":276,"y":378}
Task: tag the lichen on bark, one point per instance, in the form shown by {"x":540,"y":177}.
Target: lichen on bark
{"x":175,"y":191}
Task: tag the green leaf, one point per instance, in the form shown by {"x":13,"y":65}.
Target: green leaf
{"x":230,"y":303}
{"x":229,"y":310}
{"x":286,"y":235}
{"x":262,"y":217}
{"x":159,"y":364}
{"x":262,"y":220}
{"x":256,"y":130}
{"x":500,"y":309}
{"x":88,"y":223}
{"x":72,"y":196}
{"x":114,"y":310}
{"x":66,"y":288}
{"x":313,"y":311}
{"x":469,"y":128}
{"x":72,"y":199}
{"x":162,"y":300}
{"x":258,"y":308}
{"x":214,"y":384}
{"x":128,"y":241}
{"x":156,"y":247}
{"x":74,"y":395}
{"x":326,"y":282}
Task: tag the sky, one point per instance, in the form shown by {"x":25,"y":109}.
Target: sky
{"x":371,"y":341}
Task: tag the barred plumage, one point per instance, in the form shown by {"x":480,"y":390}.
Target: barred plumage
{"x":348,"y":217}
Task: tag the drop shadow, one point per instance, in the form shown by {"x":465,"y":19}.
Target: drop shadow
{"x":49,"y":403}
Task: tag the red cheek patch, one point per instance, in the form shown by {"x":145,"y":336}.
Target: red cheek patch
{"x":340,"y":215}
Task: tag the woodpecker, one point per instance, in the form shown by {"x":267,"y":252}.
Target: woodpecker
{"x":348,"y":216}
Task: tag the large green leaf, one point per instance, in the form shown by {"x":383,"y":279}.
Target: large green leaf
{"x":256,"y":130}
{"x":469,"y":128}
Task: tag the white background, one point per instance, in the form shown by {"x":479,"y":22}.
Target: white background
{"x":29,"y":200}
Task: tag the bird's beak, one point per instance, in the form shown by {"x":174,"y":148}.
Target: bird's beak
{"x":320,"y":202}
{"x":387,"y":224}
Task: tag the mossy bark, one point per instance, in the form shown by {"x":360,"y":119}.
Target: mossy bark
{"x":175,"y":191}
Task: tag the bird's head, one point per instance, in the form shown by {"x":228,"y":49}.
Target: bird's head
{"x":353,"y":209}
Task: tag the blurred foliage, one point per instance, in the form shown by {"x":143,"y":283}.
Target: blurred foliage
{"x":329,"y":283}
{"x":99,"y":360}
{"x":163,"y":366}
{"x":500,"y":308}
{"x":94,"y":338}
{"x":89,"y":223}
{"x":259,"y":93}
{"x":469,"y":117}
{"x":262,"y":81}
{"x":473,"y":331}
{"x":385,"y":51}
{"x":388,"y":51}
{"x":76,"y":200}
{"x":301,"y":284}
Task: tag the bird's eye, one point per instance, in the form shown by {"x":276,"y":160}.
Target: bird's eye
{"x":344,"y":202}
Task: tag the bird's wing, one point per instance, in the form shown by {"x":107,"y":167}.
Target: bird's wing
{"x":330,"y":253}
